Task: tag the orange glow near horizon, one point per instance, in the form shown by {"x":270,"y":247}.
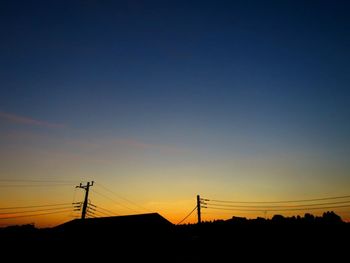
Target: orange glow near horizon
{"x":174,"y":211}
{"x":54,"y":220}
{"x":146,"y":177}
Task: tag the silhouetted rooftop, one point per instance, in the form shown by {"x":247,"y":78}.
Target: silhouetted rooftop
{"x":128,"y":221}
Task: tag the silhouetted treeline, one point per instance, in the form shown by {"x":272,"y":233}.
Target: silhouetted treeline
{"x":326,"y":218}
{"x":151,"y":238}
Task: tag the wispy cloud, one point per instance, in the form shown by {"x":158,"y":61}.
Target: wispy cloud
{"x":28,"y":121}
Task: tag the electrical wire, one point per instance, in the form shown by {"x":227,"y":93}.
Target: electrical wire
{"x":33,"y":185}
{"x":125,"y":199}
{"x":32,"y":206}
{"x":187,"y":215}
{"x":31,"y":211}
{"x":276,"y":202}
{"x":37,"y":181}
{"x":117,"y":203}
{"x":106,"y":210}
{"x":103,"y":214}
{"x":279,"y":206}
{"x":275,"y":210}
{"x":11,"y":217}
{"x":89,"y":213}
{"x":97,"y":208}
{"x":73,"y":201}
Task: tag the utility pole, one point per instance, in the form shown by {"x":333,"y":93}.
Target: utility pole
{"x":86,"y":188}
{"x":199,"y":208}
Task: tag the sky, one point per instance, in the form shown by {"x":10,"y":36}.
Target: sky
{"x":159,"y":101}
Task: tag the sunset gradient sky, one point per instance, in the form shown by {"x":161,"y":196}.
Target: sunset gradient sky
{"x":161,"y":100}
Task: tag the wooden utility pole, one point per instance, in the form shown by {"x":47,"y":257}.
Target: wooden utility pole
{"x":199,"y":208}
{"x":86,"y":188}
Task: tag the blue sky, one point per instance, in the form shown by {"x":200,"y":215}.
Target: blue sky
{"x":220,"y":81}
{"x":159,"y":63}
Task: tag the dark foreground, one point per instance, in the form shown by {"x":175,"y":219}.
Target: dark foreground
{"x":236,"y":240}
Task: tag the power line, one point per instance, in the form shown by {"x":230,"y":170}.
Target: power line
{"x":100,"y":214}
{"x":98,"y":207}
{"x":90,"y":212}
{"x":91,"y":216}
{"x":74,"y":195}
{"x":90,"y":204}
{"x":113,"y":201}
{"x":275,"y":210}
{"x":74,"y":202}
{"x":68,"y":210}
{"x":32,"y":206}
{"x":103,"y":214}
{"x":187,"y":215}
{"x":34,"y":185}
{"x":125,"y":199}
{"x":37,"y":181}
{"x":275,"y":202}
{"x":31,"y":211}
{"x":279,"y":206}
{"x":106,"y":210}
